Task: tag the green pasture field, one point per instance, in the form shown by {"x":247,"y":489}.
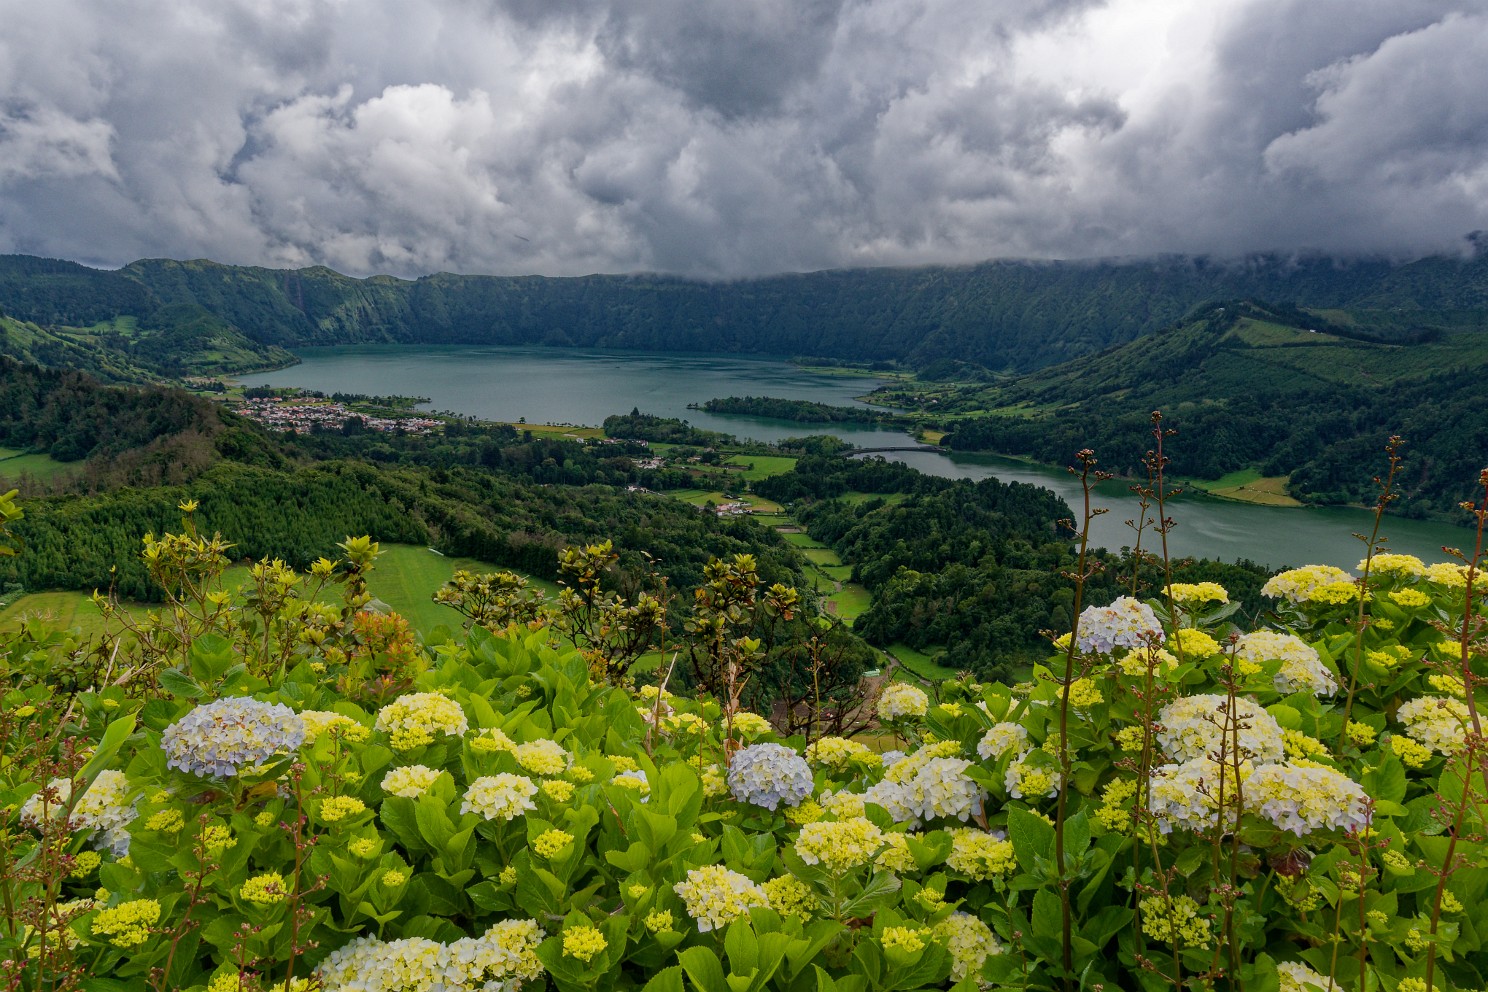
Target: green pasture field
{"x":40,"y":467}
{"x":1249,"y":486}
{"x":405,"y":578}
{"x":921,"y":664}
{"x":756,"y":467}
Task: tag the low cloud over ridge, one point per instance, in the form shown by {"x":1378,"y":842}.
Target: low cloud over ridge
{"x":722,"y":139}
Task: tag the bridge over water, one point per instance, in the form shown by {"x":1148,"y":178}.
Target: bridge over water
{"x":906,"y":447}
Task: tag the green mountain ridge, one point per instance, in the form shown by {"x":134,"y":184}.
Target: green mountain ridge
{"x":1004,"y":315}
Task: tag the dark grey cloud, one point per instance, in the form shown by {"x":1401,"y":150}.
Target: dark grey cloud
{"x":724,"y":138}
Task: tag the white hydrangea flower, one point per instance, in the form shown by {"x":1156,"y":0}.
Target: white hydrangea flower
{"x":542,"y":757}
{"x":902,"y":701}
{"x":769,"y":774}
{"x":1296,"y":585}
{"x":220,"y":738}
{"x":969,"y":941}
{"x":415,"y":719}
{"x":1301,"y":668}
{"x":499,"y":797}
{"x":1304,"y":798}
{"x":1439,"y":722}
{"x":923,"y":787}
{"x":838,"y":752}
{"x":1199,"y":726}
{"x":106,"y":807}
{"x":1297,"y":977}
{"x":1002,"y":738}
{"x":409,"y":781}
{"x":1126,"y":623}
{"x":1187,"y":795}
{"x":502,"y":958}
{"x":716,"y":896}
{"x":1027,"y":779}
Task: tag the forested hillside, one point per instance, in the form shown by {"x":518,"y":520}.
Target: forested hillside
{"x":1253,"y":386}
{"x":1002,"y":315}
{"x":980,"y":568}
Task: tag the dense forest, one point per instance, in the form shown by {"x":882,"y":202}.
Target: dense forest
{"x":1001,"y":315}
{"x":801,"y":411}
{"x":978,"y":567}
{"x":67,"y":415}
{"x":1248,"y":386}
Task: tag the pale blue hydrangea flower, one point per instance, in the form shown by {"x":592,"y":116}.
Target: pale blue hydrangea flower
{"x":1126,"y":623}
{"x":768,"y":774}
{"x":219,"y":738}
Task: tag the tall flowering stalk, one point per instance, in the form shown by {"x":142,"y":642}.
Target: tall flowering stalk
{"x":1472,"y":755}
{"x":1372,"y":545}
{"x":1085,"y":568}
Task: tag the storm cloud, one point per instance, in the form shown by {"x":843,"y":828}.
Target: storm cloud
{"x":722,"y":139}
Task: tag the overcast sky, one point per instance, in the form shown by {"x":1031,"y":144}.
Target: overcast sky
{"x":724,"y":138}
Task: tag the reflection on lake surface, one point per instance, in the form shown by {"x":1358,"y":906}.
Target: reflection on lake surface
{"x":546,"y":385}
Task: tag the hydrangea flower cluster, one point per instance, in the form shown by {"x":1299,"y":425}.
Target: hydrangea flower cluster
{"x":1303,"y":798}
{"x":417,"y":718}
{"x":1126,"y":623}
{"x":221,"y":738}
{"x":318,"y":722}
{"x":1298,"y":585}
{"x":769,"y":774}
{"x":499,"y":797}
{"x":1188,"y":795}
{"x":127,"y":924}
{"x":789,"y":896}
{"x":1198,"y":726}
{"x":503,"y":957}
{"x":980,"y":854}
{"x":1026,"y":779}
{"x":1435,"y":721}
{"x":1297,"y":977}
{"x":1002,"y":738}
{"x":106,"y":808}
{"x":542,"y":757}
{"x":922,"y":787}
{"x":902,"y":701}
{"x":969,"y":941}
{"x":716,"y":896}
{"x":1301,"y":668}
{"x":410,"y":781}
{"x":1405,"y":566}
{"x":751,"y":724}
{"x":838,"y":752}
{"x":839,"y":846}
{"x":1198,"y":592}
{"x":1176,"y":920}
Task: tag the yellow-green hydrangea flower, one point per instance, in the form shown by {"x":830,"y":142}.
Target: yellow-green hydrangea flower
{"x":415,"y":719}
{"x":1175,"y":920}
{"x":979,"y":854}
{"x":839,"y":846}
{"x":550,"y":843}
{"x":583,"y":943}
{"x":910,"y":940}
{"x":334,"y":809}
{"x":266,"y":889}
{"x":789,"y":896}
{"x":127,"y":924}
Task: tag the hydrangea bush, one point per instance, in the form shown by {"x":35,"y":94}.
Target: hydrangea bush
{"x":1169,"y":803}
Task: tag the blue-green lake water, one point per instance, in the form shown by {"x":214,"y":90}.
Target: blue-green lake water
{"x":582,"y":387}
